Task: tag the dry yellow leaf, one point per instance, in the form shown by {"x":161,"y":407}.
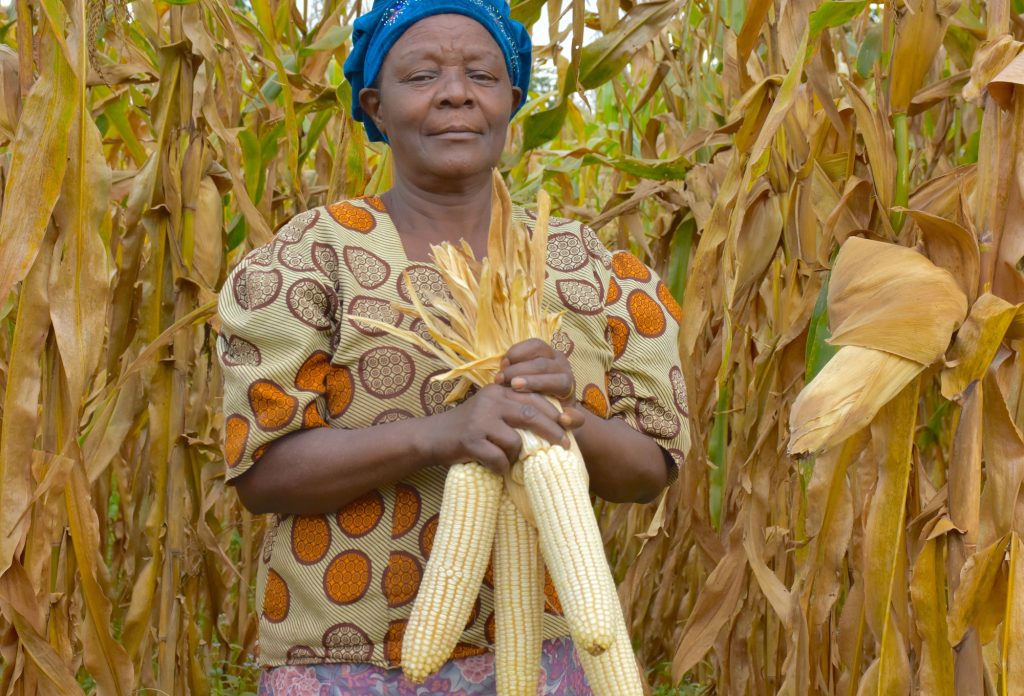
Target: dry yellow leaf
{"x":976,"y":344}
{"x":845,"y":396}
{"x":928,"y":594}
{"x":891,"y":298}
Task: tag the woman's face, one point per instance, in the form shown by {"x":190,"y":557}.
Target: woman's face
{"x":444,"y":99}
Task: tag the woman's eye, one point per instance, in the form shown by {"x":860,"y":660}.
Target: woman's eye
{"x":483,"y":77}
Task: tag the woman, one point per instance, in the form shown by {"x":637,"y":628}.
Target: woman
{"x":337,"y":429}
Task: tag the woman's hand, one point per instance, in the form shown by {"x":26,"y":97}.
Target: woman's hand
{"x":533,"y":366}
{"x":483,"y":428}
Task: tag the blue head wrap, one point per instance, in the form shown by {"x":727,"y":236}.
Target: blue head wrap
{"x":375,"y":32}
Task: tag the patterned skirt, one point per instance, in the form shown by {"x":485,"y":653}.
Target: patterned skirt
{"x":468,"y":676}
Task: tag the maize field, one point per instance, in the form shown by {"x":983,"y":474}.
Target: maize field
{"x":833,"y":189}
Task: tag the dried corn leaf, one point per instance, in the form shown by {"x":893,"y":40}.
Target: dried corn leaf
{"x":715,"y":607}
{"x":928,"y":593}
{"x":830,"y":524}
{"x":21,"y":403}
{"x":918,"y":36}
{"x":38,"y":163}
{"x":891,"y":298}
{"x":950,"y":246}
{"x":1001,"y":86}
{"x":1004,"y":465}
{"x":892,"y":434}
{"x":976,"y":344}
{"x":989,"y":61}
{"x":964,"y":476}
{"x":1012,"y":639}
{"x":979,"y":587}
{"x":845,"y":396}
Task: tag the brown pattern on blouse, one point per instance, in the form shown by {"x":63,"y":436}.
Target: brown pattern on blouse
{"x":339,"y":587}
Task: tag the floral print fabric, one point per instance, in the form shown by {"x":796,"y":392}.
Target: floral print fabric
{"x":561,"y":675}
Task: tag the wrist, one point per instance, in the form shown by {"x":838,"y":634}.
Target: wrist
{"x":432,"y":446}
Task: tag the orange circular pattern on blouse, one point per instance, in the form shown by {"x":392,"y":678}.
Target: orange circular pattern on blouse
{"x":489,"y":628}
{"x":407,"y":510}
{"x":646,"y":314}
{"x":401,"y":579}
{"x":347,"y":577}
{"x":312,"y":376}
{"x":258,"y":453}
{"x":595,"y":401}
{"x":619,"y":335}
{"x":552,"y":604}
{"x":352,"y":216}
{"x":276,"y":598}
{"x":626,"y":265}
{"x":375,"y":202}
{"x":362,"y":515}
{"x":466,"y":650}
{"x":427,"y":536}
{"x":271,"y":405}
{"x":489,"y":574}
{"x":339,"y":390}
{"x":311,"y":417}
{"x":665,"y":295}
{"x":393,"y":641}
{"x":614,"y":292}
{"x":311,"y":538}
{"x":236,"y":437}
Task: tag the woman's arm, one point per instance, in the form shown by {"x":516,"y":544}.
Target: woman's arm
{"x":320,"y":470}
{"x":310,"y":472}
{"x":625,"y":465}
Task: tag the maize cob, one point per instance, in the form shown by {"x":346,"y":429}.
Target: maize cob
{"x":455,"y":569}
{"x":614,"y":672}
{"x":557,"y":487}
{"x":518,"y":602}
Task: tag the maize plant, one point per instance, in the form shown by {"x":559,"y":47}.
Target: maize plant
{"x":832,"y":189}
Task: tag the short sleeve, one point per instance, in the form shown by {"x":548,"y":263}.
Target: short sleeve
{"x":645,"y":382}
{"x":279,"y":312}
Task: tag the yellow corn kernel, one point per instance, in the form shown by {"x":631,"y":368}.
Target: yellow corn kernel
{"x":455,"y":569}
{"x":518,"y":602}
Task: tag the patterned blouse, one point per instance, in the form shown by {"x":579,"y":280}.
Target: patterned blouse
{"x":339,"y":587}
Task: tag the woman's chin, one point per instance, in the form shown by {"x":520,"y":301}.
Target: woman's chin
{"x":454,"y":169}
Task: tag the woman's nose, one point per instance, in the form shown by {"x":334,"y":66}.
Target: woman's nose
{"x":453,"y":89}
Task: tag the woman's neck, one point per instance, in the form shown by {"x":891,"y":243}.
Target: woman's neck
{"x":425,"y":217}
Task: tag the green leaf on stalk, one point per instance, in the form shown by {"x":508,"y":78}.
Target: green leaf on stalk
{"x":833,"y":14}
{"x":819,"y":351}
{"x":334,"y":37}
{"x":869,"y":52}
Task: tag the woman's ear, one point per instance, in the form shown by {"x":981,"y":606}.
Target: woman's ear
{"x":517,"y":95}
{"x":369,"y":101}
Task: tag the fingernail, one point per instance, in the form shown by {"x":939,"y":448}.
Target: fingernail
{"x":566,"y":443}
{"x":499,"y":378}
{"x":518,"y":383}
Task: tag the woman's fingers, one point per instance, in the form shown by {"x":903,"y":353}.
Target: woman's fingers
{"x":534,"y":413}
{"x":528,"y":350}
{"x":559,"y":385}
{"x":489,"y":455}
{"x":550,"y":376}
{"x":571,"y":418}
